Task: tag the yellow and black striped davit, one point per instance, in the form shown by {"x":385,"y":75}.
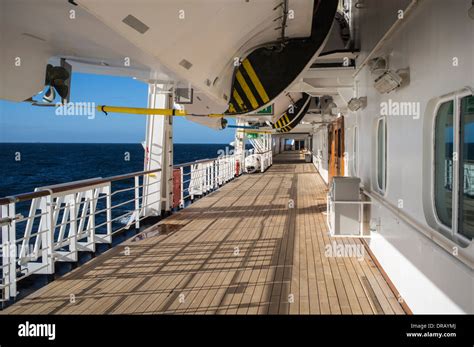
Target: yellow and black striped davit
{"x":293,"y":116}
{"x":268,"y":70}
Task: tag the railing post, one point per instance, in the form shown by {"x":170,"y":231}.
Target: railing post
{"x":181,"y":200}
{"x":137,"y":202}
{"x":72,"y":235}
{"x":211,"y":183}
{"x":9,"y":251}
{"x":226,"y":166}
{"x":108,"y":202}
{"x":91,"y":230}
{"x":191,"y":182}
{"x":208,"y":176}
{"x":5,"y":255}
{"x":47,"y":238}
{"x":201,"y":177}
{"x":232,"y":167}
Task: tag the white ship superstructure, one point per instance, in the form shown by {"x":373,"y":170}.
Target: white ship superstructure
{"x":358,"y":195}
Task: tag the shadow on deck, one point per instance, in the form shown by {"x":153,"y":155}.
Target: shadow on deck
{"x":258,"y":245}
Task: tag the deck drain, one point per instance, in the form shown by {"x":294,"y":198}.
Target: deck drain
{"x":369,"y":291}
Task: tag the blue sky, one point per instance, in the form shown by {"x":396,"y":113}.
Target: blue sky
{"x":21,"y":122}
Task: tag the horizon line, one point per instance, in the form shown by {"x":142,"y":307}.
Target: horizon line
{"x":109,"y":143}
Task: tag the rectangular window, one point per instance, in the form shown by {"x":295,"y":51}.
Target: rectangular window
{"x":443,"y":172}
{"x":466,"y":168}
{"x":454,"y":180}
{"x":382,"y":155}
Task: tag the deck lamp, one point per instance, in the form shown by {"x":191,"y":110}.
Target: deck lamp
{"x":392,"y":80}
{"x":356,"y":104}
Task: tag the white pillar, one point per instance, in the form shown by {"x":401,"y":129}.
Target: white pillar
{"x":158,"y":154}
{"x":239,"y":144}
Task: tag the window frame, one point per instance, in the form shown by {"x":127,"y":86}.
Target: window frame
{"x":456,"y":99}
{"x":381,"y":190}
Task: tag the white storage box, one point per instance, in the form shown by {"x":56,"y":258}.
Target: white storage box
{"x":344,"y":205}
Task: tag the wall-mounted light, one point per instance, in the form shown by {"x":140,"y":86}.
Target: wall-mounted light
{"x":378,"y":65}
{"x":391,"y":80}
{"x":356,"y":104}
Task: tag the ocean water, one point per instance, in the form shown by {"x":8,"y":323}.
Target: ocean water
{"x":26,"y":166}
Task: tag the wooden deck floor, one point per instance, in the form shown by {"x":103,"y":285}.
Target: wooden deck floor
{"x":239,"y":250}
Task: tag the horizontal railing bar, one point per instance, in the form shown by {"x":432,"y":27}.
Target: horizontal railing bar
{"x":194,"y":163}
{"x":44,"y":191}
{"x":206,"y":176}
{"x":202,"y":161}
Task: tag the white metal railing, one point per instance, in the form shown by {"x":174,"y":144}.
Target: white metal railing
{"x":263,"y":149}
{"x":266,"y":160}
{"x":203,"y":176}
{"x":63,"y":220}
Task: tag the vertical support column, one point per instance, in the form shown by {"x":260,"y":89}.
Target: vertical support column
{"x":239,"y":145}
{"x":168,"y":183}
{"x":157,"y":190}
{"x":181,"y":201}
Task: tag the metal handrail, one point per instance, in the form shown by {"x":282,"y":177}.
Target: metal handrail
{"x":75,"y":216}
{"x":64,"y":187}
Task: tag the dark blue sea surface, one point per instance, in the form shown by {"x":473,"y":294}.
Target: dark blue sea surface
{"x":25,"y":167}
{"x":43,"y":164}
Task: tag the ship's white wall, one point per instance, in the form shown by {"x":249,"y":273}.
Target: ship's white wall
{"x":320,"y":153}
{"x":429,"y":278}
